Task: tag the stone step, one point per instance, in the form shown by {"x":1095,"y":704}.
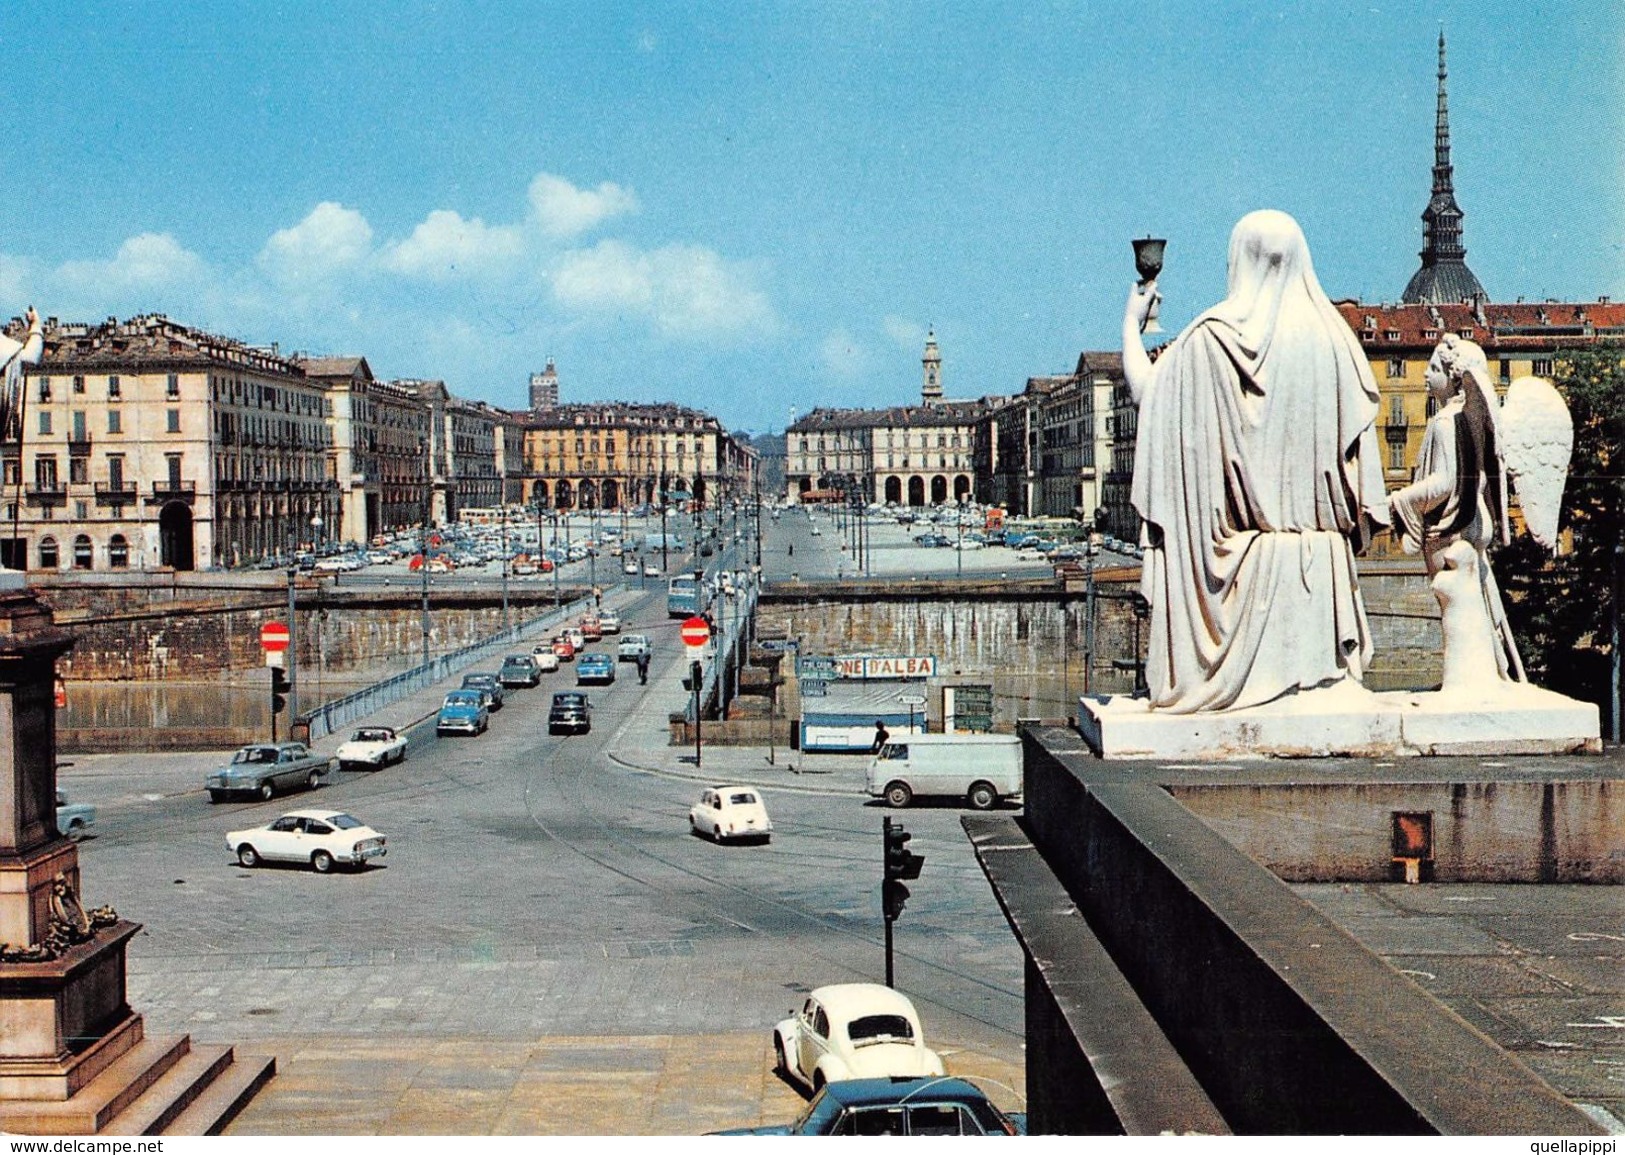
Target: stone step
{"x":100,"y":1100}
{"x":169,"y":1094}
{"x":218,"y":1103}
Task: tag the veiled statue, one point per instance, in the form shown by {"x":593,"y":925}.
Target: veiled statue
{"x":1257,"y":476}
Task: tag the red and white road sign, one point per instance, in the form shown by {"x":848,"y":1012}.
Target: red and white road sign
{"x":274,"y":637}
{"x":696,"y":632}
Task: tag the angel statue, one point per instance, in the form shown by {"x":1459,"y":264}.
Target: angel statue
{"x":14,"y":355}
{"x":1457,"y":503}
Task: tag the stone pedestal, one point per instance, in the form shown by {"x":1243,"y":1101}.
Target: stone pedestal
{"x":1348,"y":720}
{"x":74,"y":1058}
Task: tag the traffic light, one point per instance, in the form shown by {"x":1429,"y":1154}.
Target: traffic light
{"x":893,"y":896}
{"x":901,"y":863}
{"x":279,"y":690}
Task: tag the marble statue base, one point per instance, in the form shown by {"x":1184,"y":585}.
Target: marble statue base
{"x":1351,"y":721}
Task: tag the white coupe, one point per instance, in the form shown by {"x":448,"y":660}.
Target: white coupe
{"x":546,"y":660}
{"x":372,"y":747}
{"x":727,"y":813}
{"x":323,"y":838}
{"x":853,"y":1031}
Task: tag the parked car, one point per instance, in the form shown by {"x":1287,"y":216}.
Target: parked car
{"x":265,"y":768}
{"x":595,"y":668}
{"x":546,"y":660}
{"x":372,"y":747}
{"x":727,"y":813}
{"x":463,"y":712}
{"x":631,"y":645}
{"x":519,"y":670}
{"x":73,"y":819}
{"x":650,"y":569}
{"x":853,"y":1031}
{"x":609,"y":621}
{"x":930,"y":1106}
{"x":323,"y":838}
{"x":488,"y":685}
{"x":571,"y":712}
{"x":630,"y":567}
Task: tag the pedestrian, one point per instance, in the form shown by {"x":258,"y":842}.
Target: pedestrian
{"x":882,"y":736}
{"x":643,"y":667}
{"x":597,"y":597}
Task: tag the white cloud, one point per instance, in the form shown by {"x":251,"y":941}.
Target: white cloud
{"x":445,"y":246}
{"x":904,"y":333}
{"x":685,"y":290}
{"x":145,"y":262}
{"x":563,"y":210}
{"x":329,"y":240}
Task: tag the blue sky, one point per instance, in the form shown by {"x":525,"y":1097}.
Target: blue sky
{"x":753,"y":207}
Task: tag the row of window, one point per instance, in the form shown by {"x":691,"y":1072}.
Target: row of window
{"x":84,"y":552}
{"x":115,"y":423}
{"x":115,"y":387}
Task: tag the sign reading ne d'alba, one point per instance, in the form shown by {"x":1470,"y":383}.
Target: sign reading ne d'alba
{"x":893,"y":667}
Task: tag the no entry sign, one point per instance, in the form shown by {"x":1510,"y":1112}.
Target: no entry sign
{"x":274,"y":637}
{"x":696,"y":632}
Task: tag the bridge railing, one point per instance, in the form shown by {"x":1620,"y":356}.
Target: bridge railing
{"x":332,"y":716}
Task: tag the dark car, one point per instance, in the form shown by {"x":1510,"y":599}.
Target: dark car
{"x":519,"y":670}
{"x":488,"y":685}
{"x":940,"y":1105}
{"x":571,"y":713}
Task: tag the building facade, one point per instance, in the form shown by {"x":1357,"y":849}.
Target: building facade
{"x":615,"y":455}
{"x":149,"y":444}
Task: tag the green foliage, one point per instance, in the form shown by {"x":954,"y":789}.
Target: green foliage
{"x":1562,"y":610}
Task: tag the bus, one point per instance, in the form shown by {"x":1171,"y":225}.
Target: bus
{"x":685,"y":596}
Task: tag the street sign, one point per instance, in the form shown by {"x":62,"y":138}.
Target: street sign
{"x":696,"y":632}
{"x":813,"y":688}
{"x":274,"y":637}
{"x":809,"y":666}
{"x":911,"y":699}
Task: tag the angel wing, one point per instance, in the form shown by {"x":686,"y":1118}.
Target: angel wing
{"x":1537,"y":439}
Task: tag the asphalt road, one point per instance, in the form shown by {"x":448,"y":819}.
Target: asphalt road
{"x":537,"y":886}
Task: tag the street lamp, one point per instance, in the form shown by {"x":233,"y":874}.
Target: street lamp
{"x":316,"y":533}
{"x":504,"y":514}
{"x":959,"y":549}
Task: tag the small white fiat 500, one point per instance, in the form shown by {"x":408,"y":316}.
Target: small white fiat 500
{"x":323,"y":838}
{"x":727,"y":813}
{"x":853,"y":1031}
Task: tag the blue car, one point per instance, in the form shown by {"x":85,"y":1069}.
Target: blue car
{"x":463,"y":712}
{"x":596,"y":669}
{"x":932,"y":1106}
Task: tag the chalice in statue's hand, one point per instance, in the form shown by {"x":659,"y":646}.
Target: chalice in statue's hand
{"x":1148,"y":263}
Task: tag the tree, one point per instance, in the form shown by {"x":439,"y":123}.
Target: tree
{"x":1563,"y":610}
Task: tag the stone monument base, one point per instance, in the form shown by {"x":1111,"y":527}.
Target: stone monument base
{"x":1348,"y":720}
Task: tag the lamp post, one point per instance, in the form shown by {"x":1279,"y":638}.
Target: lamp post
{"x":959,"y":547}
{"x":664,"y":561}
{"x":423,"y":542}
{"x":316,"y":533}
{"x":504,"y":513}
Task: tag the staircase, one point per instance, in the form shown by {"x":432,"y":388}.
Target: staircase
{"x":157,"y":1087}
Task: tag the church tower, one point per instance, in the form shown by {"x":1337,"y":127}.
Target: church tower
{"x":1444,"y":278}
{"x":931,"y":390}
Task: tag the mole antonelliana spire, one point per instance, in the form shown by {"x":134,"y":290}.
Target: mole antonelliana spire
{"x":1444,"y":278}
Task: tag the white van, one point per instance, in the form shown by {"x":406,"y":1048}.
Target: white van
{"x":980,"y":768}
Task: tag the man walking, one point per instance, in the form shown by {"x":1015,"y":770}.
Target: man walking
{"x":643,"y":667}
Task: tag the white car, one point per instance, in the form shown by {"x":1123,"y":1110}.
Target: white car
{"x":546,"y":660}
{"x":730,"y":812}
{"x":853,"y":1031}
{"x":323,"y":838}
{"x":631,"y":645}
{"x":609,"y":621}
{"x":650,"y":569}
{"x":372,"y":747}
{"x":631,"y":567}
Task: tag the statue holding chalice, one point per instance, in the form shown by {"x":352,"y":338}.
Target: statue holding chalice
{"x":1148,"y":263}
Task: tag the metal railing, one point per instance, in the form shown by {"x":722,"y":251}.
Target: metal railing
{"x":720,"y":680}
{"x":332,"y":716}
